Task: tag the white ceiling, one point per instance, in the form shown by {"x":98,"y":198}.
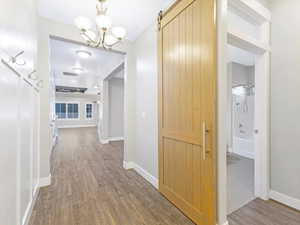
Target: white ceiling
{"x":240,"y":56}
{"x":96,"y":67}
{"x":134,"y":15}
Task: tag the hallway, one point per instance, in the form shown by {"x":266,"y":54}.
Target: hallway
{"x":90,"y":187}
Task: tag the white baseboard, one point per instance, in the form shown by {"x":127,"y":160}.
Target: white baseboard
{"x":104,"y":141}
{"x":28,"y":212}
{"x":116,"y":139}
{"x":145,"y":174}
{"x":75,"y":126}
{"x":151,"y":179}
{"x":45,"y":181}
{"x":128,"y":165}
{"x":285,"y":199}
{"x":226,"y":223}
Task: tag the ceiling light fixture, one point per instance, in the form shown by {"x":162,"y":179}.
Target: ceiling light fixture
{"x":104,"y":36}
{"x":83,"y":54}
{"x":77,"y":69}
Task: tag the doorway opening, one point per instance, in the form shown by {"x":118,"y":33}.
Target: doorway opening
{"x":111,"y":123}
{"x":87,"y":89}
{"x":241,"y":120}
{"x":248,"y":37}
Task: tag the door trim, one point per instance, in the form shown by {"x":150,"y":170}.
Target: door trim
{"x":262,"y":94}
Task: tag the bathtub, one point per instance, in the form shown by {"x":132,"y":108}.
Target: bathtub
{"x":244,"y":147}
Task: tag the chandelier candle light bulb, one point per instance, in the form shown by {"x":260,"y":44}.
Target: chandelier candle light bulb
{"x":103,"y":22}
{"x":83,"y":23}
{"x":119,"y":32}
{"x":106,"y":37}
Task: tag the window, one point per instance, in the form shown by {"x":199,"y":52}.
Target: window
{"x":89,"y":111}
{"x":73,"y":111}
{"x":67,"y":110}
{"x":60,"y":110}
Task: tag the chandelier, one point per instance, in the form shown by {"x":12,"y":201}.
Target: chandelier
{"x":105,"y":35}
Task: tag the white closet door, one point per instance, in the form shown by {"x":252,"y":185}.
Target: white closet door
{"x":9,"y":145}
{"x":26,"y":131}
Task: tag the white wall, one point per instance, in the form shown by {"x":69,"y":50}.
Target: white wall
{"x":265,"y":3}
{"x":82,"y":100}
{"x":242,"y":74}
{"x":19,"y":118}
{"x":103,"y":121}
{"x":116,"y":108}
{"x":8,"y":155}
{"x":146,"y":101}
{"x":285,"y":107}
{"x":112,"y":107}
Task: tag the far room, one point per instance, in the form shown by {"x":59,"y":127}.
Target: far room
{"x":87,"y":90}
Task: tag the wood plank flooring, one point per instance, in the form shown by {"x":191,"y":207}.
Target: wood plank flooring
{"x":90,"y":187}
{"x":259,"y":212}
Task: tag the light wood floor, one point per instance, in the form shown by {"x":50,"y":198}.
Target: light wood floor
{"x":259,"y":212}
{"x":90,"y":187}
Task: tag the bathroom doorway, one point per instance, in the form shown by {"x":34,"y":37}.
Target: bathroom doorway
{"x":241,"y":120}
{"x":248,"y":38}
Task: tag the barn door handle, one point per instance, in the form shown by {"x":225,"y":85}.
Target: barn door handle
{"x":204,"y":132}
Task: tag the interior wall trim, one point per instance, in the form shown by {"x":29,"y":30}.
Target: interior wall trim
{"x":76,"y":126}
{"x":116,"y":139}
{"x":226,"y":223}
{"x":45,"y":181}
{"x":285,"y":199}
{"x":141,"y":171}
{"x":104,"y":141}
{"x":147,"y":176}
{"x":28,"y":212}
{"x":128,"y":165}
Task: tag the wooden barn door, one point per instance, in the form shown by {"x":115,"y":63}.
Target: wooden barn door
{"x":187,"y":108}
